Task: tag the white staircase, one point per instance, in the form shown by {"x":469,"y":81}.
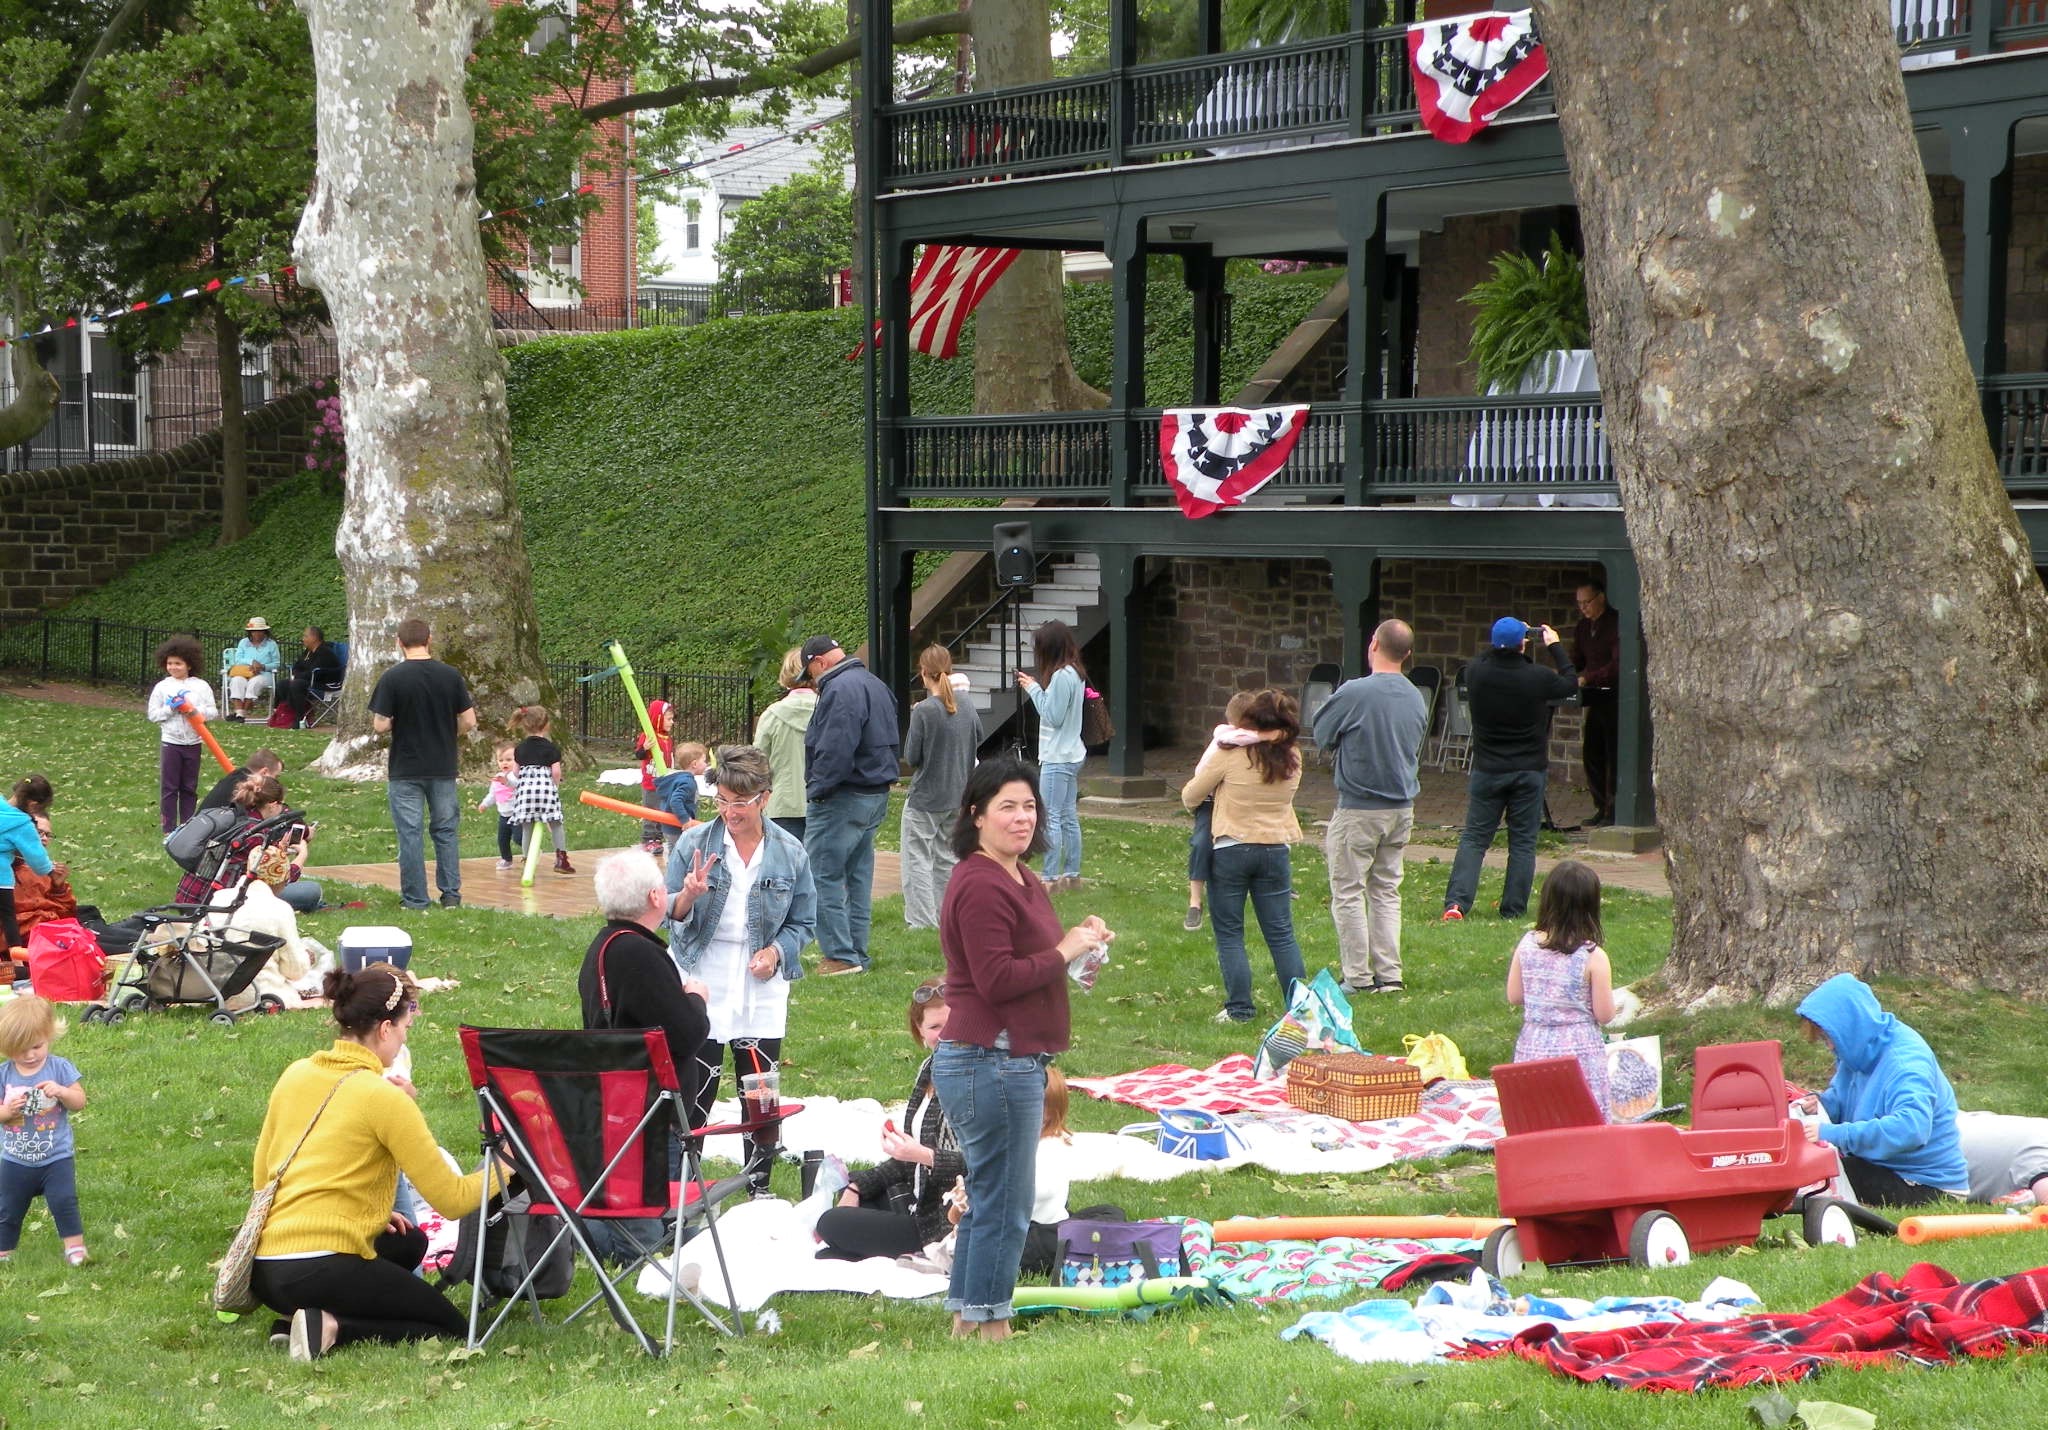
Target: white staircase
{"x":1069,"y":590}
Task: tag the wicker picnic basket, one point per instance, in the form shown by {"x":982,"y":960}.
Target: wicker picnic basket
{"x":1357,"y":1087}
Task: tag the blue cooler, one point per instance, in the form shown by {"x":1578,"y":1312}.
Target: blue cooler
{"x":374,"y":943}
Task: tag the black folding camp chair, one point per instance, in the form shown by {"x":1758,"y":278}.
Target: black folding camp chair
{"x":585,"y":1119}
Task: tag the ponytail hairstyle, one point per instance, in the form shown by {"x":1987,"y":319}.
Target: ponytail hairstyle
{"x":34,"y":794}
{"x":377,"y":994}
{"x":1275,"y":760}
{"x":530,"y":720}
{"x":256,"y":791}
{"x":936,"y":666}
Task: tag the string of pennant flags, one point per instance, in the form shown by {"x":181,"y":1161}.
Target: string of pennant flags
{"x":215,"y":285}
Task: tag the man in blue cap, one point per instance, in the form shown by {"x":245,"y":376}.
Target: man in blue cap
{"x":1510,"y":696}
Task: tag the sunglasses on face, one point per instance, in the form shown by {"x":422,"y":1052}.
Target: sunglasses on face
{"x":927,"y":993}
{"x":725,"y":803}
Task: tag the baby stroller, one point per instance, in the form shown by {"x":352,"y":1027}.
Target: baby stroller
{"x":207,"y":962}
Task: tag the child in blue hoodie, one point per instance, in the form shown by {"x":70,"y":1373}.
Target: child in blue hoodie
{"x":19,"y":838}
{"x":1892,"y":1115}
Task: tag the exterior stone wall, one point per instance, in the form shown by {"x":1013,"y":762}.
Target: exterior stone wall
{"x":1451,"y":262}
{"x":65,"y":531}
{"x":1213,"y":628}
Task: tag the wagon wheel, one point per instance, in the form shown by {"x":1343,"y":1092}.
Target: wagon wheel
{"x":1501,"y":1257}
{"x":1658,"y":1242}
{"x":1825,"y":1222}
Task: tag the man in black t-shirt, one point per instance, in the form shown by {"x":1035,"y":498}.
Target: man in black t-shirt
{"x":423,"y":706}
{"x":263,"y":762}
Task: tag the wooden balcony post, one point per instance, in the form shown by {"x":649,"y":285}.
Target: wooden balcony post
{"x":1982,"y":158}
{"x":1984,"y":17}
{"x":889,"y":625}
{"x":892,"y":366}
{"x":1355,"y":582}
{"x":1122,"y":599}
{"x":1359,"y":81}
{"x":1209,"y":26}
{"x":1358,"y":217}
{"x":1123,"y":54}
{"x":1203,"y":274}
{"x":1126,"y":230}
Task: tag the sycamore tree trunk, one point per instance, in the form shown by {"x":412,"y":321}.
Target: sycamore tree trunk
{"x":430,"y":525}
{"x":234,"y":429}
{"x":1021,"y":363}
{"x":1849,"y":645}
{"x":34,"y":400}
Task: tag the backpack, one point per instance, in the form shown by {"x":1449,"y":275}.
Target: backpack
{"x":512,"y":1238}
{"x":188,"y":843}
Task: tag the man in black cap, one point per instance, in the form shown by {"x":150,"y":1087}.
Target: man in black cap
{"x":849,"y":763}
{"x":1510,"y":698}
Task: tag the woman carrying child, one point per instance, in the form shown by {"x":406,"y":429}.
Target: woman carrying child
{"x":1560,"y":978}
{"x":945,"y":734}
{"x":38,"y":1093}
{"x":1253,"y":825}
{"x":1201,"y":841}
{"x":537,"y":780}
{"x":921,"y":1162}
{"x":22,"y":841}
{"x":178,"y":761}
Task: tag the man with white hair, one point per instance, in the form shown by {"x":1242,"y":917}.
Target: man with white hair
{"x":628,"y":979}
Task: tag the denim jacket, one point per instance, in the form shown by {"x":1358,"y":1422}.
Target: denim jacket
{"x":783,"y":909}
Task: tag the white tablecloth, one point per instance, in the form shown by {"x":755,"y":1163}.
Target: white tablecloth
{"x":1541,"y":443}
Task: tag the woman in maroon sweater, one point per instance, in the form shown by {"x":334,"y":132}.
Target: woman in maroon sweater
{"x":1006,"y":963}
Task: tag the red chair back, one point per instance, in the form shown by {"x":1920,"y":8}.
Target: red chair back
{"x":1738,"y":1085}
{"x":1545,"y":1095}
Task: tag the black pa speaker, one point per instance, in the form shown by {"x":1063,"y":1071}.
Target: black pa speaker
{"x":1016,"y":562}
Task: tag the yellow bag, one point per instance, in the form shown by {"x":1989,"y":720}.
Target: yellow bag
{"x":241,"y":671}
{"x":1435,"y":1056}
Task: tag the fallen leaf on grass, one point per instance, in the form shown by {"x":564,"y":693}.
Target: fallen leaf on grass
{"x":1771,"y":1410}
{"x":863,"y":1352}
{"x":1828,"y":1415}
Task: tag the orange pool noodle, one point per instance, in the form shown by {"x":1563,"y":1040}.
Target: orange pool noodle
{"x":1315,"y":1228}
{"x":2040,"y":1216}
{"x":198,"y":722}
{"x":1917,"y":1229}
{"x":619,"y":806}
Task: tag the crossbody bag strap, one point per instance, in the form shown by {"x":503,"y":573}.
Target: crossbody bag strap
{"x":604,"y":997}
{"x":279,"y":1177}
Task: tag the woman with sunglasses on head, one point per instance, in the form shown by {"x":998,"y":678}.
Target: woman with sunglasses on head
{"x":898,"y":1206}
{"x":333,"y":1256}
{"x":741,"y":907}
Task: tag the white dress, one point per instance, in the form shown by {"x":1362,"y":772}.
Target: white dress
{"x":740,"y":1005}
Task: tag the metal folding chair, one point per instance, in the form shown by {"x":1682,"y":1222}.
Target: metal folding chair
{"x":326,"y":694}
{"x":1454,"y":745}
{"x":585,"y":1119}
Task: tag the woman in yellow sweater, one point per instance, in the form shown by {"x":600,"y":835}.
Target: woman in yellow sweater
{"x":1251,"y":830}
{"x":333,"y":1256}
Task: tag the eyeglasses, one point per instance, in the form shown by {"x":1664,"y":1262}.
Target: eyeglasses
{"x":929,"y":991}
{"x":724,"y":803}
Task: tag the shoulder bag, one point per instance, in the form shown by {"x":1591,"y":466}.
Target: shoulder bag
{"x":231,"y":1289}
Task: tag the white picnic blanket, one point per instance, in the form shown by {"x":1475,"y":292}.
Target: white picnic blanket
{"x":770,"y":1249}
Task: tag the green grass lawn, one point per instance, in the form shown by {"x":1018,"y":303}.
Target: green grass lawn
{"x":176,"y":1102}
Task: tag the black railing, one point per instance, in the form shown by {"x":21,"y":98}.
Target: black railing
{"x":1356,"y":86}
{"x":716,"y":709}
{"x":684,"y":305}
{"x":1426,"y":447}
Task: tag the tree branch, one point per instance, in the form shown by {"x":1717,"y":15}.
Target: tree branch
{"x":956,"y":22}
{"x":84,"y":89}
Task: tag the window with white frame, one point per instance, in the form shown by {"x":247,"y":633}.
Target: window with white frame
{"x":693,"y":225}
{"x":551,"y":286}
{"x":554,"y":22}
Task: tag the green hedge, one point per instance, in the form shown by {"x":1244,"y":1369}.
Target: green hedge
{"x":682,"y":488}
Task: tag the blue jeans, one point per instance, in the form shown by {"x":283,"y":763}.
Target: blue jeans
{"x":839,"y":838}
{"x":1060,"y":787}
{"x":1518,"y":793}
{"x":302,"y":895}
{"x":56,"y":1182}
{"x":1264,"y":874}
{"x":995,"y":1103}
{"x":419,"y":807}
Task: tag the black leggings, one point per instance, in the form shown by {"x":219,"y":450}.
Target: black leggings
{"x":749,"y":1056}
{"x":1883,"y":1186}
{"x":378,"y":1300}
{"x":10,"y":931}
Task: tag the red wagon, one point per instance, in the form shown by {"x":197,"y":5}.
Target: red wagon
{"x":1583,"y":1190}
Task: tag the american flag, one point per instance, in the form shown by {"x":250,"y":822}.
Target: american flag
{"x":947,"y":283}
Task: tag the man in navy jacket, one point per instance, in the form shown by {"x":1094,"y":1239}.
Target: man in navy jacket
{"x":1511,"y":698}
{"x":850,"y":760}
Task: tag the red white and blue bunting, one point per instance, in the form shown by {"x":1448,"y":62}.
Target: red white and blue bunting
{"x":1469,"y":69}
{"x":1217,"y":456}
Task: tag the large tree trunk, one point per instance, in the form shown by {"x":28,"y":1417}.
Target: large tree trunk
{"x":1848,"y":641}
{"x":34,"y":401}
{"x":431,"y":526}
{"x":1021,"y":363}
{"x":234,"y":429}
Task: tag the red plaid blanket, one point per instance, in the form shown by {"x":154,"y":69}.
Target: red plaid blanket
{"x":1227,"y":1086}
{"x":1926,"y":1317}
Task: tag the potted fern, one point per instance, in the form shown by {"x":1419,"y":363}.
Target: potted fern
{"x":1530,"y":310}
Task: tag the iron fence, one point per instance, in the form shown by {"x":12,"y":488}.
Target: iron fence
{"x":684,"y":305}
{"x":716,"y":709}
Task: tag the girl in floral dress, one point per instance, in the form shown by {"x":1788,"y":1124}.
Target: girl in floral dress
{"x":1560,"y":978}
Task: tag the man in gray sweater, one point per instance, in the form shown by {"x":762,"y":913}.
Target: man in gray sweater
{"x":1375,"y":726}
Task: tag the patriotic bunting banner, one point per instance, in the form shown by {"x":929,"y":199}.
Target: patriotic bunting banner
{"x":214,"y":285}
{"x":1469,"y":69}
{"x":1217,"y":456}
{"x":944,"y":288}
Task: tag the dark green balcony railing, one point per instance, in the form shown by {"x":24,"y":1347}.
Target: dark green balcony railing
{"x":1356,"y":86}
{"x":1422,"y":448}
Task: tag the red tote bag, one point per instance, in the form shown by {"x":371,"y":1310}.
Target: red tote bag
{"x":65,"y":964}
